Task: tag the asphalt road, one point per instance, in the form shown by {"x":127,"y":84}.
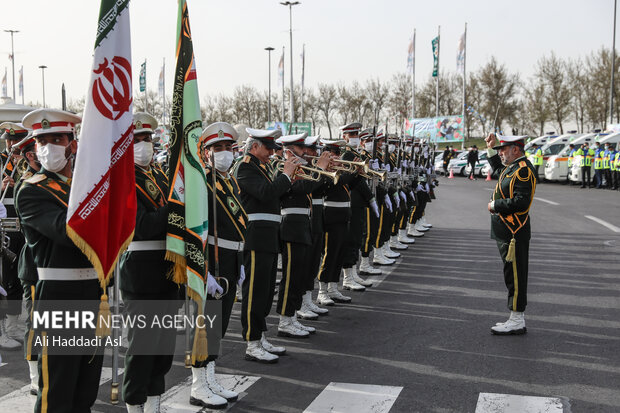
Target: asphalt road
{"x":425,"y":329}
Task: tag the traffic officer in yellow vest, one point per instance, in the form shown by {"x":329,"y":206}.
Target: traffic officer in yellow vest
{"x":260,"y":197}
{"x":616,"y":169}
{"x":143,"y":276}
{"x":510,"y":223}
{"x":587,"y":154}
{"x":11,"y":329}
{"x":598,"y":164}
{"x":538,"y":159}
{"x":228,"y":225}
{"x":68,"y":383}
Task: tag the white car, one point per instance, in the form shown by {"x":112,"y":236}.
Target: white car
{"x":458,"y":164}
{"x":482,"y":161}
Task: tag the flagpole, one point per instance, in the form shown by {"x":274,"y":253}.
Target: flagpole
{"x":413,"y":82}
{"x":437,"y":85}
{"x":21,"y":82}
{"x":163,"y":71}
{"x":464,"y":86}
{"x":282,"y":117}
{"x":146,"y":98}
{"x":303,"y":68}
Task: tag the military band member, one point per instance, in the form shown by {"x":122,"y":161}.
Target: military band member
{"x":67,"y":382}
{"x":397,"y":196}
{"x":231,"y":220}
{"x":143,"y":276}
{"x":260,"y":197}
{"x":11,"y":329}
{"x":510,"y":223}
{"x":361,"y":198}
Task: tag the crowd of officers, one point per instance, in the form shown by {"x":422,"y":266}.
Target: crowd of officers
{"x":321,"y":207}
{"x":606,"y":160}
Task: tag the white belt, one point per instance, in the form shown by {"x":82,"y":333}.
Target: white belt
{"x":67,"y":274}
{"x":154,"y":245}
{"x":334,"y":204}
{"x":295,"y":211}
{"x":226,"y":244}
{"x":8,"y":201}
{"x":264,"y":217}
{"x":317,"y":201}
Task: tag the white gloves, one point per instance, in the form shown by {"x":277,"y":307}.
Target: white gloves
{"x":374,"y":164}
{"x":2,"y":210}
{"x":2,"y":291}
{"x":387,"y":167}
{"x":405,"y":163}
{"x":403,"y":196}
{"x":213,"y":286}
{"x":388,"y":203}
{"x":396,"y":200}
{"x":241,"y":276}
{"x":412,"y":195}
{"x":374,"y":207}
{"x":419,"y":188}
{"x":428,"y":189}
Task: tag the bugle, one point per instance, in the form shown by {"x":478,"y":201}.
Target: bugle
{"x":310,"y":173}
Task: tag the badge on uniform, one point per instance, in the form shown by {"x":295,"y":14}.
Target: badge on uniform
{"x":151,"y":189}
{"x":232,"y":205}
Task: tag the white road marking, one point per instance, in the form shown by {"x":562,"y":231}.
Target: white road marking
{"x":350,"y":397}
{"x":176,"y":399}
{"x":510,"y":403}
{"x":603,"y":223}
{"x":21,"y":401}
{"x":545,"y":200}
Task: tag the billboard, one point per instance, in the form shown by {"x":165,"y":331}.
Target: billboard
{"x":287,"y":129}
{"x":438,"y":129}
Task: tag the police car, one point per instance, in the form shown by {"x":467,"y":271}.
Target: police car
{"x":555,"y":156}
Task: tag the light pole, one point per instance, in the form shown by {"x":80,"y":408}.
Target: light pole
{"x":613,"y":69}
{"x":269,"y":50}
{"x":290,"y":5}
{"x":13,"y":58}
{"x":43,"y":67}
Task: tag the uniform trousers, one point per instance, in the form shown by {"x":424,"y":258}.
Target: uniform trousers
{"x":586,"y":170}
{"x":516,"y":281}
{"x":29,"y":337}
{"x":314,"y":259}
{"x":354,"y":239}
{"x":294,"y":275}
{"x":333,"y":252}
{"x":68,"y":384}
{"x":258,"y":289}
{"x":145,"y":373}
{"x":384,"y":214}
{"x":369,"y":231}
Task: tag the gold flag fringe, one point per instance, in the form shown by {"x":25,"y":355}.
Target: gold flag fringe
{"x":178,"y":272}
{"x":510,"y":256}
{"x":200,"y":349}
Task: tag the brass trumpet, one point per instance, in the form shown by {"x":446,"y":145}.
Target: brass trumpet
{"x":310,"y":173}
{"x":371,"y":173}
{"x":348,"y":166}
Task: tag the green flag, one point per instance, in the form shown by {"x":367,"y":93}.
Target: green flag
{"x":143,"y":77}
{"x":435,"y":56}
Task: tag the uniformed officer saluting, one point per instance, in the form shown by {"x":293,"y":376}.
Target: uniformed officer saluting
{"x":260,"y":197}
{"x":510,"y":223}
{"x":143,"y":277}
{"x":68,"y":383}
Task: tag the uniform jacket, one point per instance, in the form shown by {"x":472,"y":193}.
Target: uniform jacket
{"x":513,"y":197}
{"x":260,"y":194}
{"x":361,"y":194}
{"x":8,"y":199}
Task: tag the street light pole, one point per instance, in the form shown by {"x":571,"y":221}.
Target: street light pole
{"x":269,"y":50}
{"x":13,"y":58}
{"x":43,"y":67}
{"x":613,"y":69}
{"x":290,"y":5}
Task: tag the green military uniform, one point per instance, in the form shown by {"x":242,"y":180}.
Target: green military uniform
{"x":260,"y":197}
{"x":512,"y":198}
{"x":143,"y":276}
{"x":67,"y":383}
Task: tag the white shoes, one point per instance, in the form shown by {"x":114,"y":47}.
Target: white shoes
{"x":359,"y":279}
{"x":34,"y":376}
{"x":287,"y":328}
{"x":6,"y":342}
{"x":153,"y":404}
{"x":323,"y":298}
{"x":412,"y":232}
{"x":394,"y":243}
{"x":306,"y":313}
{"x":296,"y":323}
{"x":307,"y":300}
{"x":15,"y":328}
{"x":387,"y":251}
{"x":256,"y":352}
{"x":402,"y":237}
{"x":425,"y":222}
{"x":379,"y":258}
{"x":419,"y":227}
{"x":515,"y":325}
{"x":216,"y":387}
{"x":367,"y":269}
{"x":277,"y":350}
{"x":134,"y":408}
{"x":335,"y":295}
{"x":201,"y":394}
{"x":348,"y":283}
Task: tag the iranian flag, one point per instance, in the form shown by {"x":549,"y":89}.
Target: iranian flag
{"x":102,"y":206}
{"x":187,"y":201}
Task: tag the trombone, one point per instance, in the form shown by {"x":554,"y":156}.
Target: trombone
{"x":347,"y":166}
{"x":309,"y":173}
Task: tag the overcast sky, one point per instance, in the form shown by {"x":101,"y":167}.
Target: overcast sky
{"x":345,"y":40}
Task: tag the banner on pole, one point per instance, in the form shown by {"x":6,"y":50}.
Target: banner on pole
{"x":435,"y":56}
{"x":460,"y":54}
{"x":410,"y":54}
{"x":143,"y":77}
{"x":288,"y":129}
{"x":437,"y":129}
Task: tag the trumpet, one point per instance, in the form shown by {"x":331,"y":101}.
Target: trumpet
{"x":347,"y":166}
{"x":371,"y":174}
{"x":309,"y":173}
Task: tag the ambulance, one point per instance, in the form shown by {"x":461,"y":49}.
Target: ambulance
{"x":556,"y":153}
{"x":541,"y":141}
{"x":574,"y":174}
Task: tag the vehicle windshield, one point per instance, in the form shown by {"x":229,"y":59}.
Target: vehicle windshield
{"x":565,"y":151}
{"x":553,"y":149}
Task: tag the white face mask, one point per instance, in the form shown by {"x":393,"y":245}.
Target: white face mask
{"x":223,"y":160}
{"x":354,"y":142}
{"x":52,"y":157}
{"x":368,"y":146}
{"x":408,"y":149}
{"x":143,"y":153}
{"x":416,"y":149}
{"x":391,"y":148}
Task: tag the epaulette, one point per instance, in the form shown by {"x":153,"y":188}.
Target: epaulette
{"x":36,"y":179}
{"x":246,"y":159}
{"x":522,"y":164}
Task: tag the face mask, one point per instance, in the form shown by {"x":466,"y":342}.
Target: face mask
{"x":391,"y":148}
{"x":52,"y":157}
{"x":408,"y":149}
{"x":223,"y":160}
{"x":368,"y":146}
{"x":416,"y":149}
{"x":354,"y":142}
{"x":143,"y":153}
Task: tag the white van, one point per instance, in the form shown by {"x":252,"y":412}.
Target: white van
{"x":574,"y":175}
{"x":556,"y":165}
{"x":541,"y":140}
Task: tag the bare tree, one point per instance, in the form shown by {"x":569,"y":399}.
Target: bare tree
{"x":377,"y":96}
{"x":327,"y":101}
{"x":578,"y":86}
{"x":499,"y":93}
{"x":399,"y":99}
{"x":552,"y":72}
{"x":535,"y":108}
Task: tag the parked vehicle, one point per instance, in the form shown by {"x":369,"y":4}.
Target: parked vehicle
{"x":458,"y":164}
{"x":482,"y":161}
{"x":574,"y":175}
